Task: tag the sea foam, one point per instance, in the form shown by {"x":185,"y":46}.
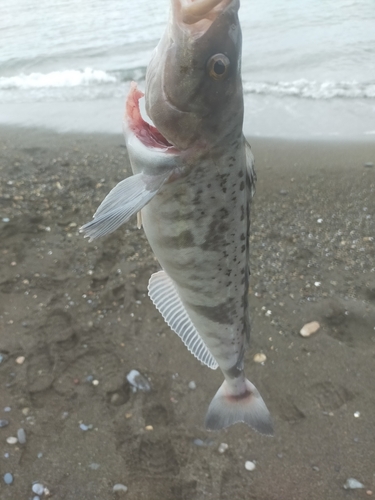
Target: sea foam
{"x":55,"y":79}
{"x":313,"y":89}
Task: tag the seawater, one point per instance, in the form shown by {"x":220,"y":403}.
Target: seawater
{"x":308,"y":65}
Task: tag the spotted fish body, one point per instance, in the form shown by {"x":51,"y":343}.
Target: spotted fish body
{"x":192,"y":184}
{"x":198,"y":229}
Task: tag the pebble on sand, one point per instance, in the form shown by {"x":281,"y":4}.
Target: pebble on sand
{"x":38,"y":488}
{"x":20,"y":360}
{"x":120,"y":488}
{"x":138,"y":381}
{"x":260,"y":357}
{"x":192,"y":385}
{"x":21,"y":435}
{"x":3,"y":423}
{"x":353,"y":484}
{"x":8,"y":478}
{"x":309,"y":329}
{"x":12,"y":440}
{"x":222,"y":448}
{"x":369,"y":164}
{"x":85,"y":427}
{"x":249,"y":465}
{"x":198,"y":442}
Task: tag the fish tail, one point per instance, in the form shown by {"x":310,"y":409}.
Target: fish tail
{"x":228,"y":407}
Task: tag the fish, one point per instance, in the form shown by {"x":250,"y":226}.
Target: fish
{"x":192,"y":184}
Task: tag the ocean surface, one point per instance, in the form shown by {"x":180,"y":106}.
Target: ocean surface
{"x":308,"y":65}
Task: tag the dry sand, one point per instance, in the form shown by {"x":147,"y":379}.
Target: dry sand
{"x":75,"y":310}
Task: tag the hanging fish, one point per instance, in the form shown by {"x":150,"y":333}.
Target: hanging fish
{"x":192,"y":186}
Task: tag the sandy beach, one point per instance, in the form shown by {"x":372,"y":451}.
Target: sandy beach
{"x":75,"y":319}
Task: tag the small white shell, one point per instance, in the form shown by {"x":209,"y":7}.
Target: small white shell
{"x":309,"y":329}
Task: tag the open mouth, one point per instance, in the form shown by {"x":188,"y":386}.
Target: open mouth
{"x":144,"y":131}
{"x":199,"y":11}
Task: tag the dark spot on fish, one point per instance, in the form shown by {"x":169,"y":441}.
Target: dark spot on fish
{"x":242,"y":186}
{"x":221,"y":313}
{"x":215,"y":236}
{"x":243,"y":236}
{"x":183,"y":240}
{"x":208,"y":185}
{"x":243,"y":248}
{"x":178,"y":215}
{"x":233,"y":373}
{"x":242,"y":212}
{"x":240,"y":174}
{"x":197,"y":197}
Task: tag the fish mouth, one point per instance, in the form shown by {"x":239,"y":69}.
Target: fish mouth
{"x":198,"y":15}
{"x":148,"y":134}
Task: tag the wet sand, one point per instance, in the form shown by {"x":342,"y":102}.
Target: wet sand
{"x":78,"y":312}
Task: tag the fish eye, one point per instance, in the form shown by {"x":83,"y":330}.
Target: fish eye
{"x":218,"y":66}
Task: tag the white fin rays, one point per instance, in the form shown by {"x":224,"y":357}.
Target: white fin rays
{"x":125,"y":200}
{"x":250,"y":167}
{"x":163,"y":294}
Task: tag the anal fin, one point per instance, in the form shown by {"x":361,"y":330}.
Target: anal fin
{"x":164,"y":295}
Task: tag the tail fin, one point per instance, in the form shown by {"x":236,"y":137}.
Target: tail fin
{"x":226,"y":409}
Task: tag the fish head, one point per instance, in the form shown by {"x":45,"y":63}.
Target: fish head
{"x":193,"y":83}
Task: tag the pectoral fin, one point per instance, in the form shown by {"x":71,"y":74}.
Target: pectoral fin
{"x":164,"y":295}
{"x":125,"y":200}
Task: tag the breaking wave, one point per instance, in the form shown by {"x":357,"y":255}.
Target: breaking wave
{"x":100,"y":82}
{"x":65,"y":78}
{"x":313,"y":89}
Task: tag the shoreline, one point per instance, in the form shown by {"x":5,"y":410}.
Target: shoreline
{"x":36,"y":135}
{"x":265,"y":116}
